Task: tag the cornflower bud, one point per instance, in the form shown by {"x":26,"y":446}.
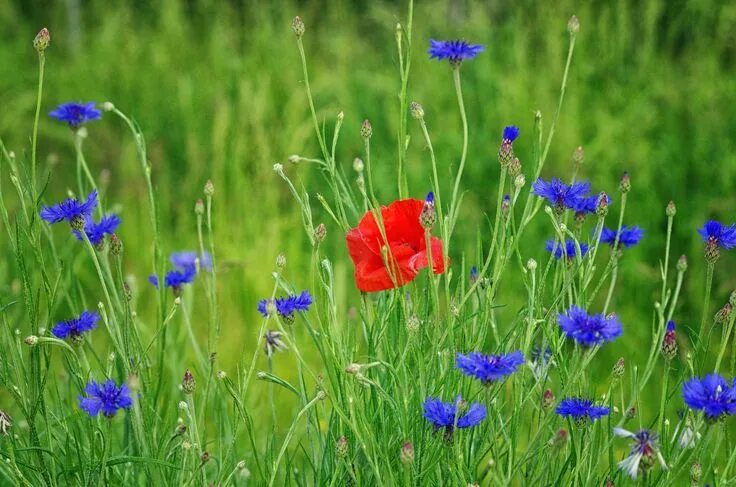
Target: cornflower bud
{"x":519,"y":181}
{"x":515,"y":167}
{"x":342,"y":447}
{"x":407,"y":453}
{"x":417,"y":111}
{"x":723,"y":314}
{"x":548,"y":398}
{"x":280,"y":261}
{"x":320,"y":233}
{"x":199,"y":207}
{"x":358,"y":165}
{"x":31,"y":340}
{"x":188,"y":384}
{"x":669,"y":342}
{"x":428,"y":216}
{"x":209,"y":188}
{"x":42,"y":40}
{"x":297,"y":25}
{"x":560,"y":439}
{"x":366,"y":130}
{"x":625,"y":184}
{"x":531,"y":264}
{"x":601,"y":207}
{"x":682,"y":263}
{"x":578,"y":156}
{"x":116,"y":245}
{"x":619,"y":368}
{"x":695,"y":472}
{"x":573,"y":25}
{"x":412,"y":324}
{"x":671,"y":209}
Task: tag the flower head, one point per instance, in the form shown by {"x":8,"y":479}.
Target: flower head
{"x":72,"y":210}
{"x":586,"y":205}
{"x":394,"y":258}
{"x":510,"y":133}
{"x":451,"y":414}
{"x":455,"y":51}
{"x":273,"y":343}
{"x":176,"y":278}
{"x":644,"y":450}
{"x":182,"y":260}
{"x":76,"y":114}
{"x":715,"y":233}
{"x":74,"y":327}
{"x":560,"y":195}
{"x":96,"y":231}
{"x":489,"y":368}
{"x":106,"y":397}
{"x":569,"y":250}
{"x":580,"y":409}
{"x":287,"y":306}
{"x":712,"y":394}
{"x":589,"y":330}
{"x":627,"y":237}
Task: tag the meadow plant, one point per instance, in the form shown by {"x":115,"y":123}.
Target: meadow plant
{"x":426,"y":377}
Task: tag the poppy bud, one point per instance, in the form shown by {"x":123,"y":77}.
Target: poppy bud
{"x":297,"y":25}
{"x":188,"y":384}
{"x":625,"y":184}
{"x":366,"y":130}
{"x":407,"y":453}
{"x":417,"y":111}
{"x":342,"y":447}
{"x":42,"y":40}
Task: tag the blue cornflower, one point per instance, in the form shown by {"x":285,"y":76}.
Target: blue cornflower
{"x":74,"y":327}
{"x":97,"y":231}
{"x":106,"y":397}
{"x":473,"y":274}
{"x":569,"y":250}
{"x":449,"y":415}
{"x":717,"y":234}
{"x":182,"y":260}
{"x":580,"y":410}
{"x":559,"y":194}
{"x":627,"y":237}
{"x":455,"y":51}
{"x":713,"y":395}
{"x":175,"y":279}
{"x":287,"y":306}
{"x":586,"y":205}
{"x":645,"y":445}
{"x":589,"y":330}
{"x":72,"y":210}
{"x":489,"y":368}
{"x":76,"y":114}
{"x":510,"y":133}
{"x":429,"y":199}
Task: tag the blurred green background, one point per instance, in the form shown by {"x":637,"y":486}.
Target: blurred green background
{"x":217,"y":89}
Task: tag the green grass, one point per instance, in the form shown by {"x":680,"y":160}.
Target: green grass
{"x":218,"y":92}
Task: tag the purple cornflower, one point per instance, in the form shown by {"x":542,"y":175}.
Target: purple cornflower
{"x":560,"y":195}
{"x":627,"y":237}
{"x":455,"y":51}
{"x":96,"y":231}
{"x":580,"y":410}
{"x":717,"y":236}
{"x":712,"y":394}
{"x":76,"y":114}
{"x":645,"y":445}
{"x":449,"y":415}
{"x":74,"y":327}
{"x":570,"y":249}
{"x":287,"y":306}
{"x":185,"y":259}
{"x":489,"y":368}
{"x":589,"y":330}
{"x":72,"y":210}
{"x":106,"y":397}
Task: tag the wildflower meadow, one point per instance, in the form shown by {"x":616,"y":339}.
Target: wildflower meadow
{"x":450,"y":303}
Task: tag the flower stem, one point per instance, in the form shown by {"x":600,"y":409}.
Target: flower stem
{"x":461,"y":168}
{"x":34,"y":141}
{"x":706,"y":301}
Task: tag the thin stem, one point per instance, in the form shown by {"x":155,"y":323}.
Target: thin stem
{"x":34,"y":140}
{"x":461,"y":168}
{"x":706,"y":302}
{"x":611,"y":286}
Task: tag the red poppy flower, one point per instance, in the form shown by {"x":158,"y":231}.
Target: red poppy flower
{"x":407,"y":246}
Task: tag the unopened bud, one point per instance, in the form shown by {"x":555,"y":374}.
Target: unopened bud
{"x":108,"y":106}
{"x":560,"y":439}
{"x":353,"y":369}
{"x":515,"y":167}
{"x":573,"y":25}
{"x":695,"y":472}
{"x":221,"y":374}
{"x":31,"y":340}
{"x":116,"y":245}
{"x":618,"y":368}
{"x":366,"y":130}
{"x":199,"y":207}
{"x":625,"y":184}
{"x":417,"y":111}
{"x":341,"y":116}
{"x":630,"y":413}
{"x":342,"y":447}
{"x":297,"y":25}
{"x":548,"y":398}
{"x":732,"y":298}
{"x":412,"y":324}
{"x":519,"y":181}
{"x":320,"y":233}
{"x":578,"y":156}
{"x":723,"y":314}
{"x":531,"y":264}
{"x":407,"y":453}
{"x":205,"y":457}
{"x":358,"y":165}
{"x":42,"y":40}
{"x":682,"y":263}
{"x":209,"y":188}
{"x":188,"y":384}
{"x":671,"y":209}
{"x":280,"y":261}
{"x":601,"y":206}
{"x":428,"y":216}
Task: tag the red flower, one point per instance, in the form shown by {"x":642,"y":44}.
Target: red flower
{"x":407,"y":253}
